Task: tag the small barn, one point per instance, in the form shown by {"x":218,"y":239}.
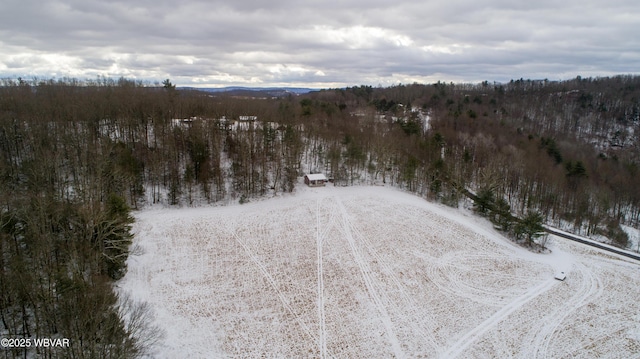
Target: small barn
{"x":315,"y":180}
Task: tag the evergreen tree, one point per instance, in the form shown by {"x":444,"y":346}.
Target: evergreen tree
{"x":530,"y":227}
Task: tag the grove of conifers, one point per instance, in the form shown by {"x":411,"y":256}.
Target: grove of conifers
{"x":77,"y":156}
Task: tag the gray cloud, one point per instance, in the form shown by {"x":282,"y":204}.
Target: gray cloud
{"x":319,"y":44}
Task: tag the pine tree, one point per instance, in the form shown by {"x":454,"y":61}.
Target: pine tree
{"x":530,"y":227}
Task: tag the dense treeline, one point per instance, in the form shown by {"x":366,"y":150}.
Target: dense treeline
{"x":65,"y":222}
{"x":569,"y":149}
{"x":564,"y":149}
{"x":77,"y":155}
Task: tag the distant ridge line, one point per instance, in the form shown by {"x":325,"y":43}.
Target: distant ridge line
{"x":294,"y":90}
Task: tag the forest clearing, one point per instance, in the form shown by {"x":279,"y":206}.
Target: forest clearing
{"x":372,"y":272}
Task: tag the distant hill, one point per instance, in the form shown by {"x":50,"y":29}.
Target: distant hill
{"x":253,"y":91}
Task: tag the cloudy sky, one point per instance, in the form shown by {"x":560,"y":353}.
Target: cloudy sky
{"x":319,"y":43}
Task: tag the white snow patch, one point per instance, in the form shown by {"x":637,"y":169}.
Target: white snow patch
{"x":634,"y":237}
{"x":364,"y":272}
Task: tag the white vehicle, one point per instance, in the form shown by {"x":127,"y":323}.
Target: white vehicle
{"x":560,"y":276}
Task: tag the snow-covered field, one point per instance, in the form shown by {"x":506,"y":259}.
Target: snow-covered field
{"x":372,"y":272}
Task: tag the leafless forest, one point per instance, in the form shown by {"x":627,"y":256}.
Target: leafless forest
{"x":77,"y":156}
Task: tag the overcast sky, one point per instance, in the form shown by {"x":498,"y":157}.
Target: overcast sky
{"x":319,"y":44}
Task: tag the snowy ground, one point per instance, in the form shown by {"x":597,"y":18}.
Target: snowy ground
{"x":371,"y":272}
{"x":634,"y":238}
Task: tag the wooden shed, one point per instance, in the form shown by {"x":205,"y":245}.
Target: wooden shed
{"x":315,"y":180}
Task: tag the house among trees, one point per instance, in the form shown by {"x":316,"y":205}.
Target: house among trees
{"x":315,"y":180}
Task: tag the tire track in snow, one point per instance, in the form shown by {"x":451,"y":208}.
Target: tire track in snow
{"x":591,"y":286}
{"x":273,"y":284}
{"x":409,"y":302}
{"x":321,"y":317}
{"x":368,"y":280}
{"x":450,"y":273}
{"x":476,"y":333}
{"x":443,"y":273}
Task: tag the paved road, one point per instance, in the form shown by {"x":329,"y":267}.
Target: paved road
{"x":593,"y":244}
{"x":555,"y":231}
